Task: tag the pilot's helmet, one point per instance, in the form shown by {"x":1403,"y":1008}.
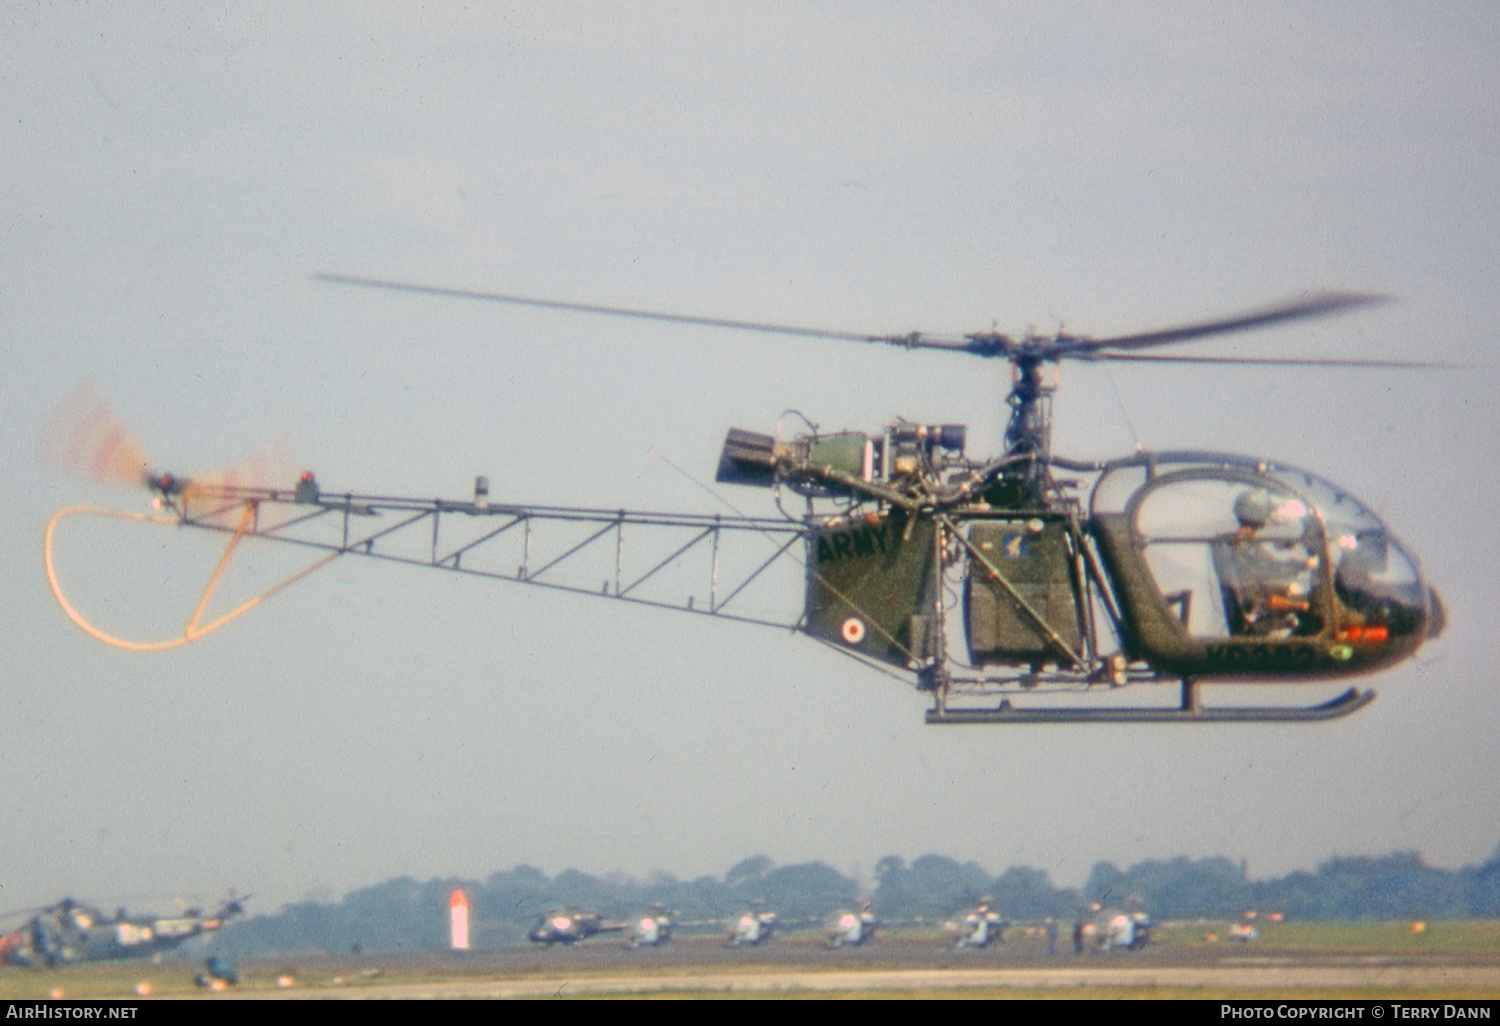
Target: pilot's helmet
{"x":1252,"y":508}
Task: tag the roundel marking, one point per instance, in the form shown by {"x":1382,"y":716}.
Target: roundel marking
{"x":854,"y":630}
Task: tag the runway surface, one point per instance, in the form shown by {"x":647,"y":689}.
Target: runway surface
{"x":891,"y":968}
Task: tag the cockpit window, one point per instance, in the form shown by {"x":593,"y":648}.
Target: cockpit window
{"x":1235,"y":556}
{"x":1378,"y":588}
{"x":1240,"y":548}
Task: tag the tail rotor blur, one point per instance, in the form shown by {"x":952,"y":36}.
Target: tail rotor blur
{"x":270,"y":466}
{"x":85,"y":437}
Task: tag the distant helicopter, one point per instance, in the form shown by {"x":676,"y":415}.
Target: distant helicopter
{"x":1111,"y":929}
{"x":979,"y":928}
{"x":850,"y":929}
{"x":652,"y":929}
{"x":72,"y":932}
{"x":752,"y":928}
{"x":1180,"y":568}
{"x":568,"y":926}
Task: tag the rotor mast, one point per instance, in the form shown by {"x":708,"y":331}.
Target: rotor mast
{"x":1029,"y":433}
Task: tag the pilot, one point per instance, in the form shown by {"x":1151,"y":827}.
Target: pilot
{"x":1265,"y":583}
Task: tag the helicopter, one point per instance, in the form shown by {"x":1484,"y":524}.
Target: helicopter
{"x":652,"y":929}
{"x":752,"y":928}
{"x":72,"y":932}
{"x":984,"y":582}
{"x":849,"y":929}
{"x":1111,"y":930}
{"x":980,"y":927}
{"x":569,"y":926}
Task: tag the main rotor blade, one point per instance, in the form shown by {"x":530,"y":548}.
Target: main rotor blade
{"x":1272,"y":362}
{"x":21,"y":913}
{"x":913,"y":340}
{"x":1316,"y":304}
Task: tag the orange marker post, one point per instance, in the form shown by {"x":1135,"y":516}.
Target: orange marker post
{"x":458,"y":914}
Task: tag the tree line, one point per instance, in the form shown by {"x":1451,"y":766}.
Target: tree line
{"x":403,"y":914}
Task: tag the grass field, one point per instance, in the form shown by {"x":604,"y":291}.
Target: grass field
{"x":1451,"y":936}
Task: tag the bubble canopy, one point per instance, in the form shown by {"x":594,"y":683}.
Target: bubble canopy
{"x":1246,"y":549}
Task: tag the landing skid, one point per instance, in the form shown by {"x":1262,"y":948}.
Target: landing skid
{"x":1190,"y":711}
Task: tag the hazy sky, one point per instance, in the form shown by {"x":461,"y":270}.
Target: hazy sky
{"x":169,"y":181}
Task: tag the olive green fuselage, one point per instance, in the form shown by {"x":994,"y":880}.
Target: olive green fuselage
{"x":1154,"y":632}
{"x":872,"y":588}
{"x":870,"y":585}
